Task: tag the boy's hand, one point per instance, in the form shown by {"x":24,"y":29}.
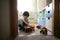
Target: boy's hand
{"x":30,"y":25}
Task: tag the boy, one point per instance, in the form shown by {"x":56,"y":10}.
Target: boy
{"x":23,"y":21}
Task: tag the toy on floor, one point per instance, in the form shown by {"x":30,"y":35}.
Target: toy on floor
{"x":33,"y":27}
{"x":27,"y":29}
{"x":38,"y":27}
{"x":43,"y":30}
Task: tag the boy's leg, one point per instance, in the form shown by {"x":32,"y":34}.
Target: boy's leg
{"x":20,"y":27}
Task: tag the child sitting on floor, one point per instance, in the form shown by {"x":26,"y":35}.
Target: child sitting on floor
{"x":23,"y":21}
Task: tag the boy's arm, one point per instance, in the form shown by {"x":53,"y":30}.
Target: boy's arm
{"x":26,"y":23}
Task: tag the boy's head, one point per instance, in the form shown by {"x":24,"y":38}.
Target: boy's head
{"x":26,"y":14}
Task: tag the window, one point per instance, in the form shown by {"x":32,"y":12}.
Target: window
{"x":25,"y":5}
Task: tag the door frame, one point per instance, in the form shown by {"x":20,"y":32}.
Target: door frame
{"x":56,"y":18}
{"x":14,"y":17}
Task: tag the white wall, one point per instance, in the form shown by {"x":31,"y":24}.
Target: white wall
{"x":48,"y":2}
{"x":41,"y":4}
{"x":26,"y":5}
{"x":4,"y":19}
{"x":49,"y":22}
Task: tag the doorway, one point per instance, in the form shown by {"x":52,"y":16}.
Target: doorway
{"x":14,"y":24}
{"x":42,"y":14}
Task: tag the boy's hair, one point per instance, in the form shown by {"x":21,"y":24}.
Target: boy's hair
{"x":26,"y":13}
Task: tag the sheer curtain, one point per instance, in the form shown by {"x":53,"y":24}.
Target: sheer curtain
{"x":25,"y":5}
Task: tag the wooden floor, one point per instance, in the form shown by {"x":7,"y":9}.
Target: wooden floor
{"x":36,"y":37}
{"x":33,"y":36}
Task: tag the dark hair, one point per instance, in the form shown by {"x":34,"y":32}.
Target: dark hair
{"x":26,"y":13}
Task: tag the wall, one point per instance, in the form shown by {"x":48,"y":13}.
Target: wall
{"x":49,"y":21}
{"x":26,"y":5}
{"x":48,"y":2}
{"x":41,"y":4}
{"x":5,"y":19}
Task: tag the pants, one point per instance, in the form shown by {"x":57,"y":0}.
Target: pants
{"x":20,"y":26}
